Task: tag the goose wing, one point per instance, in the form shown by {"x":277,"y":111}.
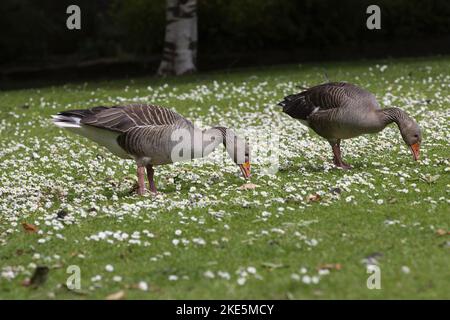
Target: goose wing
{"x":131,"y":130}
{"x":123,"y":118}
{"x":333,"y":95}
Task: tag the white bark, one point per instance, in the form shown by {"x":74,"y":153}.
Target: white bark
{"x":180,"y":43}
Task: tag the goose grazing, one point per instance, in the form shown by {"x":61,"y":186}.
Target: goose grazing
{"x":151,"y":135}
{"x":339,"y":110}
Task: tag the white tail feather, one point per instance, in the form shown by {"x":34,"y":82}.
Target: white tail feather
{"x":101,"y":136}
{"x":66,"y":122}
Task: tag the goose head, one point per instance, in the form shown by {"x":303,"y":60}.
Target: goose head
{"x":412,"y":135}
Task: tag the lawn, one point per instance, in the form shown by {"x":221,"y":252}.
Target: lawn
{"x":308,"y":231}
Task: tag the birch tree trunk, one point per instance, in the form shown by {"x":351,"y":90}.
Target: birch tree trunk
{"x":180,"y":43}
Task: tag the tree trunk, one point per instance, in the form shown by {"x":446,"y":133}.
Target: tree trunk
{"x":180,"y":43}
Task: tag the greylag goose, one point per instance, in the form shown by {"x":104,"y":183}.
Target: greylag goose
{"x":339,"y":110}
{"x":151,"y":135}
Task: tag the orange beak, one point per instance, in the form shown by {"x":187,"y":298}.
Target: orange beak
{"x":415,"y":149}
{"x":245,"y":169}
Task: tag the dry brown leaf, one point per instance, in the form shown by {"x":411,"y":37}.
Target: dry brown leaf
{"x":119,"y":295}
{"x":330,"y":266}
{"x":313,"y":198}
{"x":30,"y":228}
{"x":38,"y":278}
{"x":442,"y":232}
{"x":248,"y":186}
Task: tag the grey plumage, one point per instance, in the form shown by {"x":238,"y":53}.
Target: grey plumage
{"x":339,"y":110}
{"x":328,"y":96}
{"x":144,"y":133}
{"x":122,"y":118}
{"x":138,"y":131}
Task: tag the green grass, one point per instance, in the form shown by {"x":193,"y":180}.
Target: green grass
{"x":271,"y":225}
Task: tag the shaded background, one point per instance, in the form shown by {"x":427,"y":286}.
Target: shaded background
{"x":121,"y":38}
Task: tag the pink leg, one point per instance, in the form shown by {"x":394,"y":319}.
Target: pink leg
{"x":141,"y":180}
{"x":337,"y":159}
{"x":150,"y":174}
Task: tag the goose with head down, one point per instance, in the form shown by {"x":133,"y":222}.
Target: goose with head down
{"x":338,"y":110}
{"x":151,"y":135}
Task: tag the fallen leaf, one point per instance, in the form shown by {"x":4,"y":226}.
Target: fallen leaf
{"x":73,"y":254}
{"x":248,"y":186}
{"x":119,"y":295}
{"x":442,"y":232}
{"x":38,"y":278}
{"x":330,"y":266}
{"x":313,"y":198}
{"x":30,"y":228}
